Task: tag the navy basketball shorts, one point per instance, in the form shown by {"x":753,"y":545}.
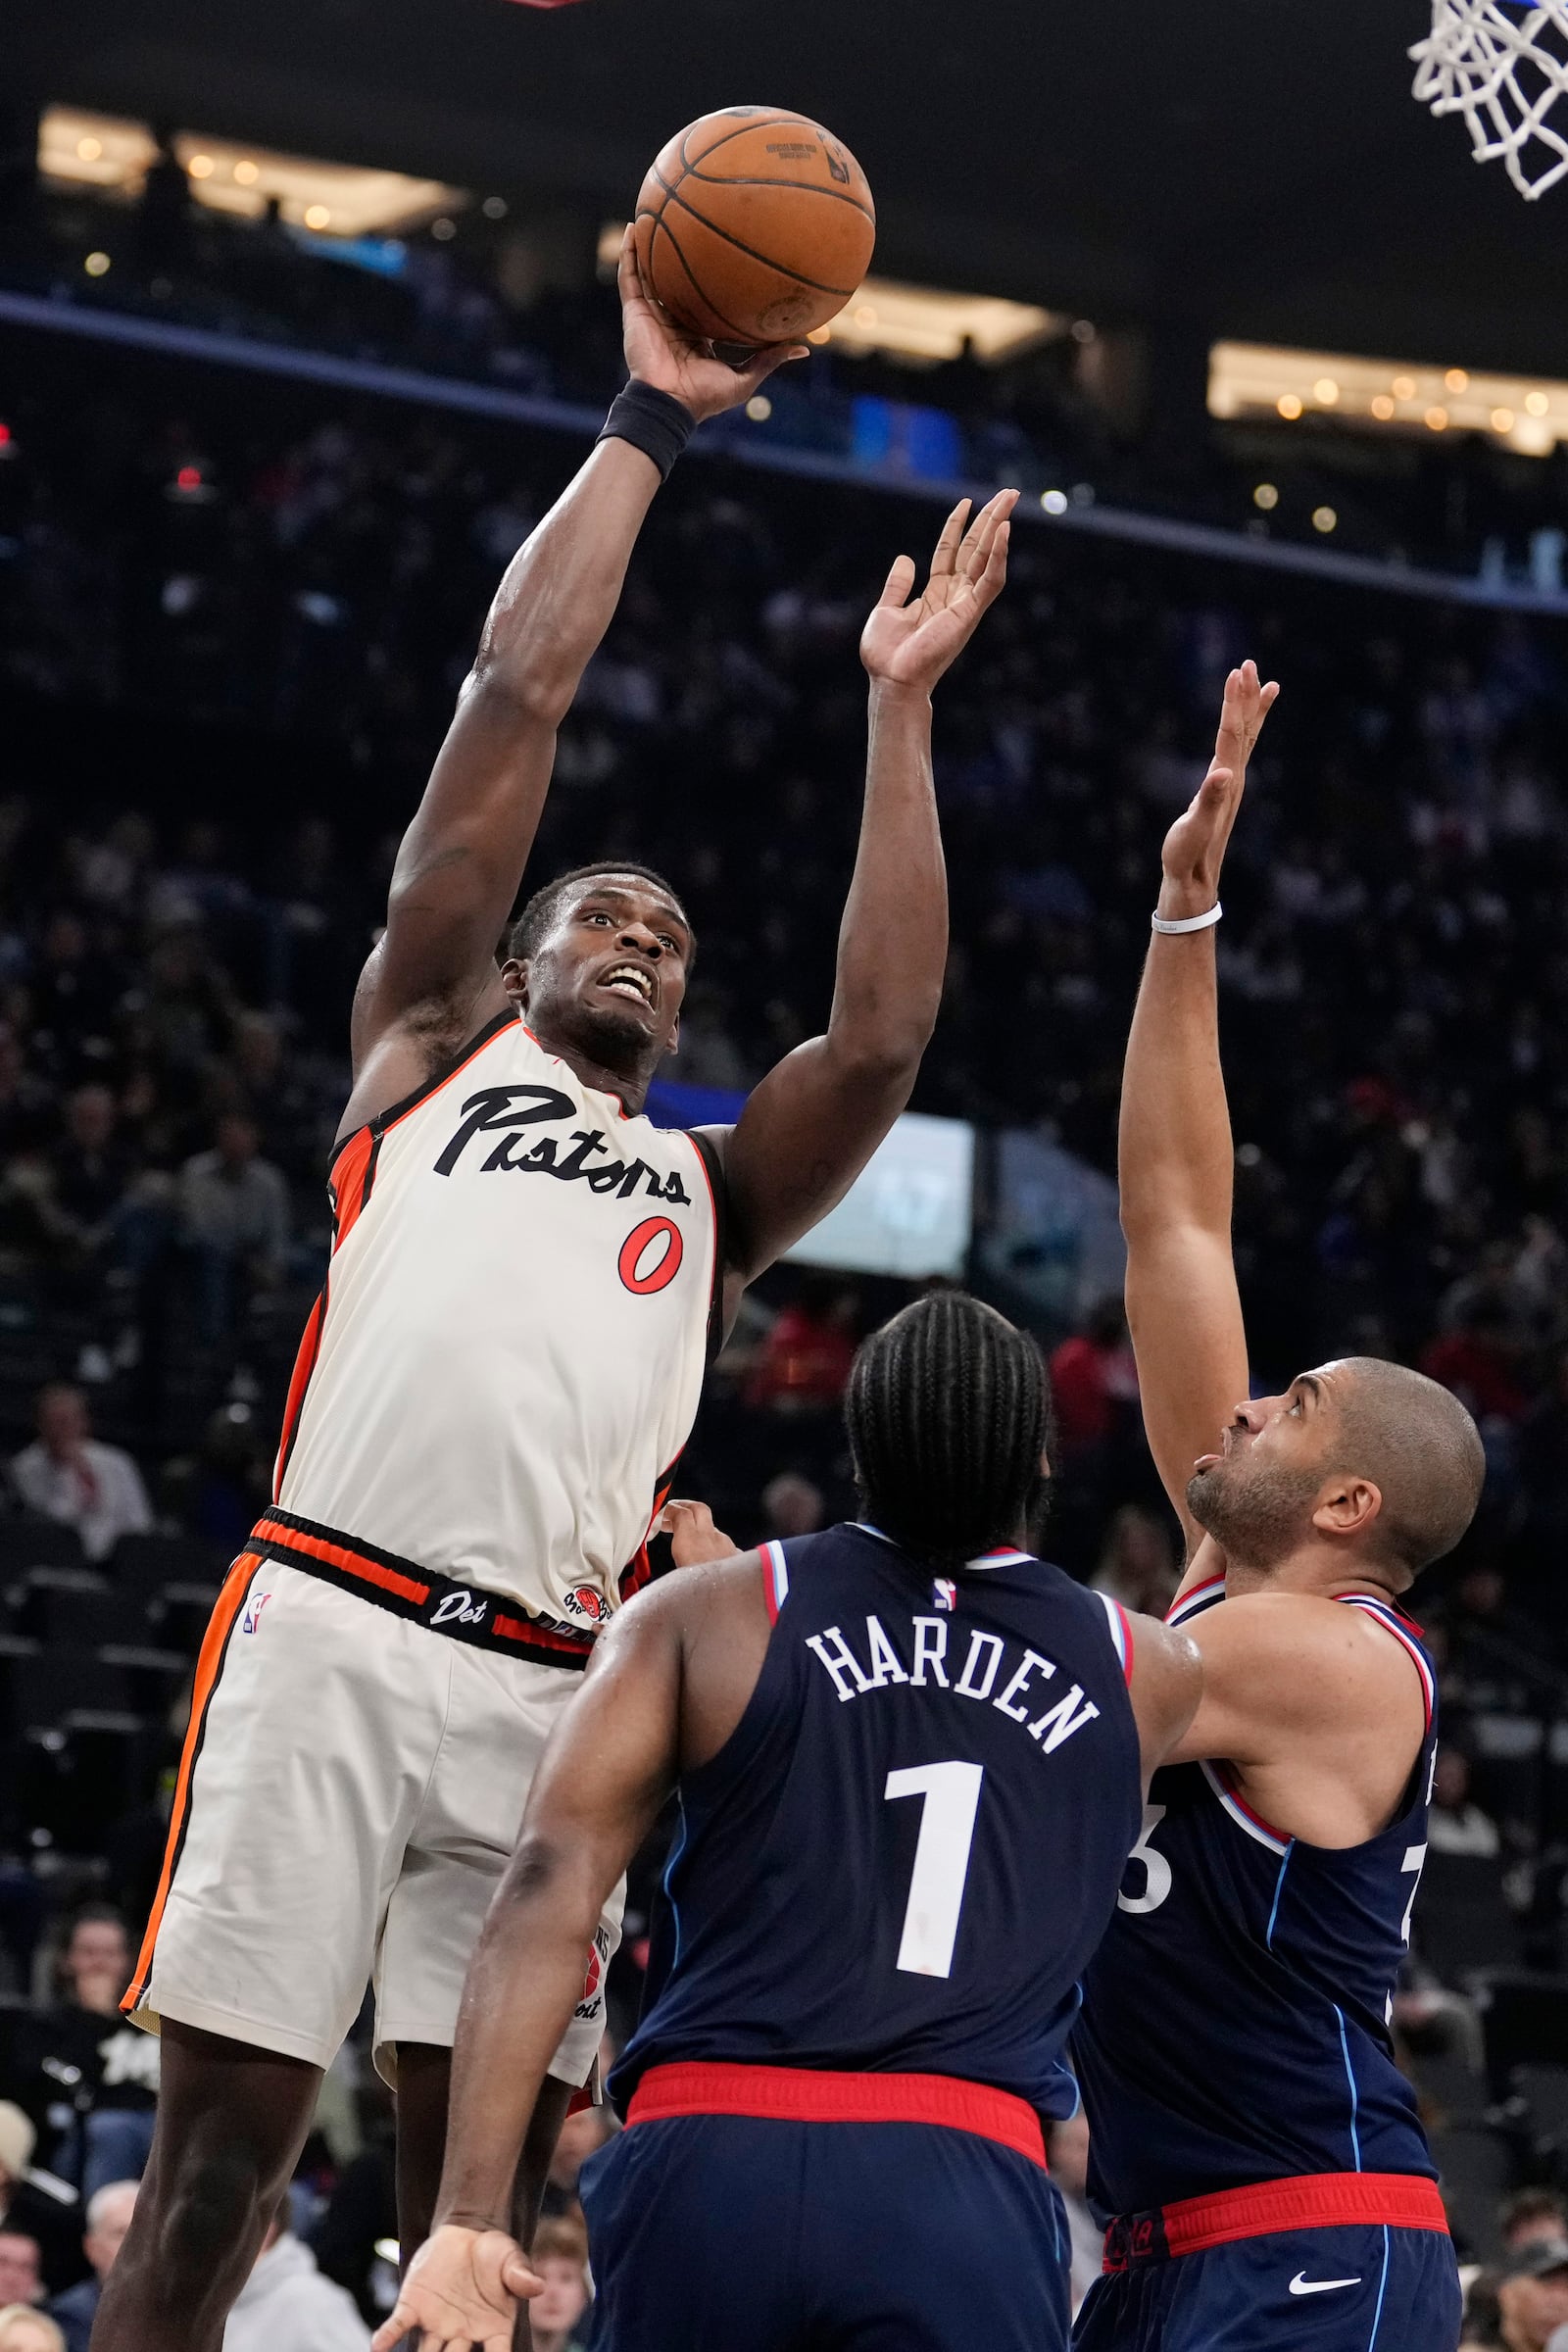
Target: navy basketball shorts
{"x":1318,"y":2275}
{"x":746,"y":2232}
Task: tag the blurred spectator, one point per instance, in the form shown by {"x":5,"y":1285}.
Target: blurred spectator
{"x":67,"y":1475}
{"x":1094,"y":1382}
{"x":1456,"y":1825}
{"x":1533,"y":2298}
{"x":792,"y":1506}
{"x":21,"y":2270}
{"x":234,"y":1222}
{"x":83,"y":2048}
{"x":109,"y":2212}
{"x":1533,"y":2217}
{"x":36,"y":2212}
{"x":1138,"y":1565}
{"x":285,"y":2305}
{"x":25,"y":2330}
{"x":559,"y":2255}
{"x":805,"y":1360}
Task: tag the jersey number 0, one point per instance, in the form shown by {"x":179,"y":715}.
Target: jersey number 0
{"x":952,"y":1793}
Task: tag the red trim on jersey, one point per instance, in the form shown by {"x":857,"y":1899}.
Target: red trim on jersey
{"x":350,"y":1182}
{"x":799,"y":2095}
{"x":1222,"y":1773}
{"x":1127,"y":1640}
{"x":267,"y":1532}
{"x":1310,"y":2201}
{"x":309,"y":1348}
{"x":1372,"y":1606}
{"x":1193,"y":1591}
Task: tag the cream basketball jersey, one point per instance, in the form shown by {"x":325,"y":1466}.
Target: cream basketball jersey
{"x":507,"y":1355}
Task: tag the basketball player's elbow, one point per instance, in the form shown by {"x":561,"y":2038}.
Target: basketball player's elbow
{"x":524,"y":687}
{"x":878,"y":1040}
{"x":554,"y":1876}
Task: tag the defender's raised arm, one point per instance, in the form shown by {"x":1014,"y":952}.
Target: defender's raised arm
{"x":1183,"y":1306}
{"x":815,"y":1121}
{"x":431,"y":981}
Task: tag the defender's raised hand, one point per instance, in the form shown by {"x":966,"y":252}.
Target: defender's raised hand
{"x":660,"y":353}
{"x":464,"y":2287}
{"x":912,"y":645}
{"x":693,"y":1536}
{"x":1195,"y":846}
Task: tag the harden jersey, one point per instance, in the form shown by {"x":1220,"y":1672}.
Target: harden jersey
{"x":1235,"y":2025}
{"x":905,"y":1852}
{"x":505,"y":1361}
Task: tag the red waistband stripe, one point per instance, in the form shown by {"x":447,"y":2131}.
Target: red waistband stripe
{"x":1307,"y":2201}
{"x":799,"y":2095}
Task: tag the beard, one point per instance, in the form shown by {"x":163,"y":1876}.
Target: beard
{"x":1259,"y":1514}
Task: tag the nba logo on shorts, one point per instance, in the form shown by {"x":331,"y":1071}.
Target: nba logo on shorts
{"x":251,"y":1621}
{"x":943,"y":1593}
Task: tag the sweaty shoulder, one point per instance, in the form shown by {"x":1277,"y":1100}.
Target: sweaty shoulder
{"x":1319,"y":1704}
{"x":715,"y":1619}
{"x":1166,"y":1685}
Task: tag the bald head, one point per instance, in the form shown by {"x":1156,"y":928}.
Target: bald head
{"x":1418,"y":1446}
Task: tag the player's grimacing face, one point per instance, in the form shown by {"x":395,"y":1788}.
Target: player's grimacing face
{"x":610,"y":973}
{"x":1258,"y":1493}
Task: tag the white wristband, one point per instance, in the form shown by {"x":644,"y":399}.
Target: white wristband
{"x":1189,"y":922}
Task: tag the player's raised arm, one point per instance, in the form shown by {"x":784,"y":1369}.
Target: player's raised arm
{"x":1176,"y":1156}
{"x":606,"y":1770}
{"x":815,"y":1121}
{"x":431,"y":981}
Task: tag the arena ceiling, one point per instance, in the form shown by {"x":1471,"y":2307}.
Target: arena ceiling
{"x":1245,"y":168}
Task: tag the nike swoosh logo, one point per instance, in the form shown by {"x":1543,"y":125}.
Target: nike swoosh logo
{"x":1300,"y":2285}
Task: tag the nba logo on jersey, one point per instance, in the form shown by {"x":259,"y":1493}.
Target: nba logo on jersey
{"x":943,"y":1593}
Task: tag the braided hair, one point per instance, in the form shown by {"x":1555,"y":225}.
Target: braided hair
{"x":949,"y":1413}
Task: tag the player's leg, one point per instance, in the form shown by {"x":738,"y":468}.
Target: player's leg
{"x":231,"y":2122}
{"x":1356,"y":2287}
{"x":919,"y":2238}
{"x":424,"y":2073}
{"x":696,"y":2228}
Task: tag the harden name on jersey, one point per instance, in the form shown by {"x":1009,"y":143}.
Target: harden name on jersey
{"x":988,"y":1661}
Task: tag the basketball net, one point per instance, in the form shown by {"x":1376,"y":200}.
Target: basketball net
{"x":1503,"y":64}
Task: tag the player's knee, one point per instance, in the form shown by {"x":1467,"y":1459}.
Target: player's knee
{"x":219,"y":2203}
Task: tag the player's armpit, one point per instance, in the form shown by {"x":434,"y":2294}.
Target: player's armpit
{"x":1318,"y":1708}
{"x":1165,"y":1688}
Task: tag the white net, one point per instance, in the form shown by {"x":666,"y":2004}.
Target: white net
{"x":1503,"y":64}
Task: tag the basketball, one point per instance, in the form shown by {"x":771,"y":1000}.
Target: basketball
{"x":754,"y":225}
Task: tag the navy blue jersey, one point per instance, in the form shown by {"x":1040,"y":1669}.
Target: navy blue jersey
{"x":902,"y":1859}
{"x":1235,"y":2025}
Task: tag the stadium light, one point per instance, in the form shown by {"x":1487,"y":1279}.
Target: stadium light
{"x":1258,"y":380}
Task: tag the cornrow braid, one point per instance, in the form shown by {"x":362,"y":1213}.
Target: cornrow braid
{"x":949,"y":1412}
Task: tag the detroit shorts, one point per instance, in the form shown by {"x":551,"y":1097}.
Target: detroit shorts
{"x":351,"y":1791}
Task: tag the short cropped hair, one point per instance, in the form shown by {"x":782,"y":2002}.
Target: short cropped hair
{"x":947,"y":1409}
{"x":1417,"y":1442}
{"x":533,"y":924}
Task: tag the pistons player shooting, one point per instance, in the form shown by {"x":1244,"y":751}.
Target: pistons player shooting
{"x":1255,"y":2149}
{"x":909,"y":1759}
{"x":526,"y":1281}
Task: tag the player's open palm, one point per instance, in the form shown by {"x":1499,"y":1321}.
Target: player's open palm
{"x":1195,"y":846}
{"x":660,"y":353}
{"x":906,"y":644}
{"x":463,"y":2288}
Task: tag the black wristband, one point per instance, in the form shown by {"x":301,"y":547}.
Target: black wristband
{"x":654,"y":422}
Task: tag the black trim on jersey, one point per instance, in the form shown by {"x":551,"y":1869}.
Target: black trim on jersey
{"x":472,"y":1613}
{"x":712,"y":1161}
{"x":438,"y":1077}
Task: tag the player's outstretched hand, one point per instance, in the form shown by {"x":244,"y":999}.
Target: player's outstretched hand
{"x":693,"y":1536}
{"x":463,"y":2288}
{"x":1195,"y":846}
{"x":662,"y":354}
{"x":912,"y":645}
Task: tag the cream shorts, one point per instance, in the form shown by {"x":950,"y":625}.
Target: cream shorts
{"x":352,"y":1792}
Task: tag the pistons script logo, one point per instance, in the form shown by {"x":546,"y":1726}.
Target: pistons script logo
{"x":513,"y":1112}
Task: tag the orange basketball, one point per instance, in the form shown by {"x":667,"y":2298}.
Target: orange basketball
{"x":754,"y":225}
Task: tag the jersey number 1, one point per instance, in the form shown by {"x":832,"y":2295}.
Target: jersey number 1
{"x":952,"y":1793}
